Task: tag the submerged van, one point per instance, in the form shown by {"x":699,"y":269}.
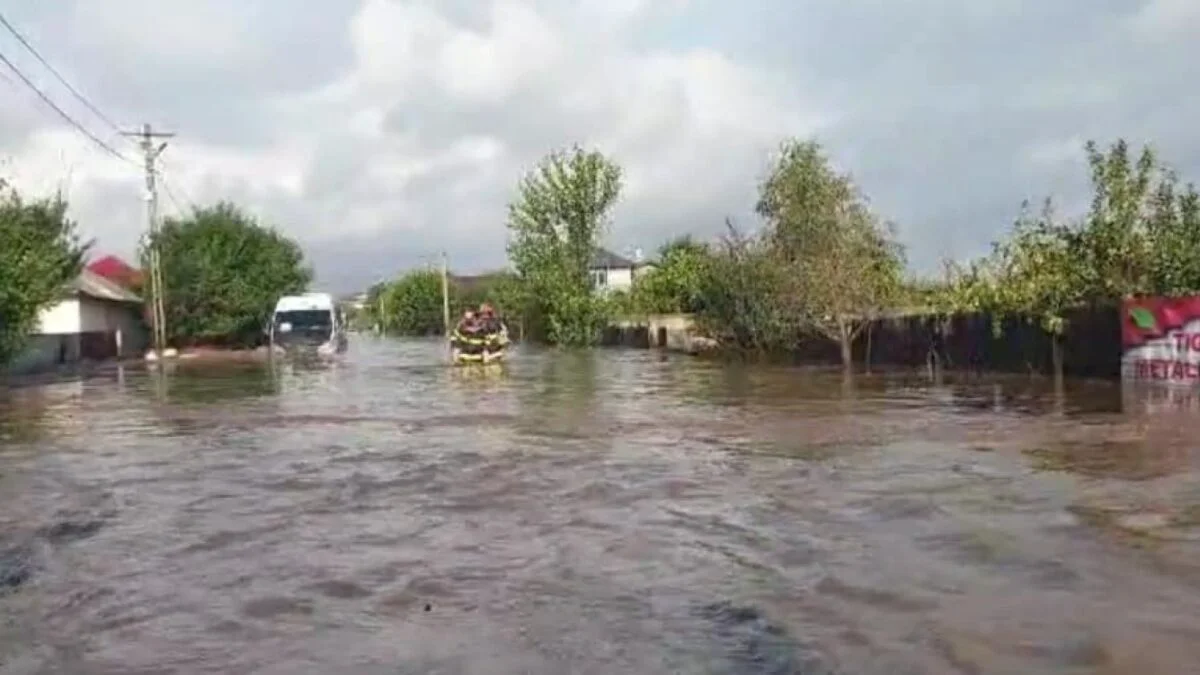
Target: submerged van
{"x":308,"y":321}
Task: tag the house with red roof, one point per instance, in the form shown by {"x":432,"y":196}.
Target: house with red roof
{"x":94,"y":319}
{"x":117,"y":271}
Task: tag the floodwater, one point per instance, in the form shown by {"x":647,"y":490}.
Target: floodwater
{"x":607,"y":512}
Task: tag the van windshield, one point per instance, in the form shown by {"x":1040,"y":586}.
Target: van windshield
{"x":306,"y":320}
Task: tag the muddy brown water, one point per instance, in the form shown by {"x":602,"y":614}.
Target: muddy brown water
{"x":607,"y":512}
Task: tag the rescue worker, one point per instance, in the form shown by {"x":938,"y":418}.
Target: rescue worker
{"x":494,"y":326}
{"x":489,"y":322}
{"x":467,"y":337}
{"x":468,"y":324}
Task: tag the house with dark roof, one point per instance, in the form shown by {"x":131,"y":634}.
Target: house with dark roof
{"x":93,"y":320}
{"x":611,"y":272}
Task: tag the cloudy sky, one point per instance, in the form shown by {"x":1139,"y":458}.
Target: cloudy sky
{"x":380,"y":132}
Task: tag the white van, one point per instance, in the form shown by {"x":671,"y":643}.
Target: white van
{"x":308,"y":321}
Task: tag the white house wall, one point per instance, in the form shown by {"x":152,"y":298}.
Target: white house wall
{"x":620,"y":279}
{"x":62,"y":318}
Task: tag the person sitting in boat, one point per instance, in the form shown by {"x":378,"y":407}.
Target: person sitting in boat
{"x":469,"y":324}
{"x":491,"y":324}
{"x":466,"y":337}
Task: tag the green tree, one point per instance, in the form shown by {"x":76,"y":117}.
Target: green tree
{"x":1173,"y":229}
{"x":842,"y":266}
{"x":675,"y":283}
{"x":413,"y":304}
{"x":40,"y":252}
{"x":512,"y":298}
{"x":739,"y":287}
{"x":555,"y":225}
{"x":1112,"y":245}
{"x":223,"y":271}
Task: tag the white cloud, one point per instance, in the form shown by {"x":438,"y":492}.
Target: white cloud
{"x":1158,"y":19}
{"x":379,"y":131}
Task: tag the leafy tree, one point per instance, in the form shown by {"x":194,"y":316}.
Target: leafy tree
{"x":1173,"y":228}
{"x":519,"y":308}
{"x":555,"y":224}
{"x":1140,"y":235}
{"x":674,"y":284}
{"x":1036,"y":274}
{"x":223,"y":271}
{"x":842,"y":267}
{"x":412,"y":305}
{"x":739,"y":287}
{"x":40,"y":252}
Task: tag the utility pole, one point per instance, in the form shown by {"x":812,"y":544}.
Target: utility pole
{"x":148,"y":138}
{"x":445,"y":296}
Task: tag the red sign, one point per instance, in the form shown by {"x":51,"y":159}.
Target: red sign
{"x":1160,"y":339}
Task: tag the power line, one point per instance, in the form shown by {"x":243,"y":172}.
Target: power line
{"x":63,"y":80}
{"x":174,"y":200}
{"x":70,"y":120}
{"x":186,"y":197}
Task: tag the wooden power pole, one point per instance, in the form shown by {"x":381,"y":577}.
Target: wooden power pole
{"x":445,"y":296}
{"x":151,"y":152}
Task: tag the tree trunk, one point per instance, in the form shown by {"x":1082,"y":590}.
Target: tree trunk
{"x":1056,"y":356}
{"x":847,"y":342}
{"x":867,"y":356}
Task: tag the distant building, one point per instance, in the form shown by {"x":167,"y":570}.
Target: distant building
{"x":96,"y":319}
{"x":117,"y":271}
{"x":611,"y":272}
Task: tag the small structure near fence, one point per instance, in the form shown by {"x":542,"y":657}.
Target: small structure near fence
{"x":675,"y":332}
{"x":95,"y":320}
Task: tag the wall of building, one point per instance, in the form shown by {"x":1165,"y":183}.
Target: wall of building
{"x":619,"y":279}
{"x":106,"y":318}
{"x":60,"y":319}
{"x":44,"y":353}
{"x":82,"y":329}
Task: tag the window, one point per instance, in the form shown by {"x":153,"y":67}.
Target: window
{"x":598,"y":277}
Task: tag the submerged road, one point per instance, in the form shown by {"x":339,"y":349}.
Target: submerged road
{"x":607,"y":512}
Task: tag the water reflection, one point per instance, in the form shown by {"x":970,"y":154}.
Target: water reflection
{"x":614,"y":511}
{"x":200,"y":384}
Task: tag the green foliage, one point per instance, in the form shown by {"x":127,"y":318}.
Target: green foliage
{"x":1033,"y":274}
{"x":555,"y":225}
{"x":1173,"y":226}
{"x":223,"y":273}
{"x":1141,"y":235}
{"x":40,"y":252}
{"x":674,"y":283}
{"x":1112,"y":246}
{"x":740,"y":287}
{"x":840,"y":266}
{"x":412,"y":305}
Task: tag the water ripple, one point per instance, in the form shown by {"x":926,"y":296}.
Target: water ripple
{"x":609,"y":512}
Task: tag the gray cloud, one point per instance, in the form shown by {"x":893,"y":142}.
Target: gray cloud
{"x":380,"y":139}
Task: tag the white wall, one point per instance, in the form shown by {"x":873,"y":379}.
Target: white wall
{"x":617,"y":279}
{"x":60,"y":319}
{"x":621,"y":279}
